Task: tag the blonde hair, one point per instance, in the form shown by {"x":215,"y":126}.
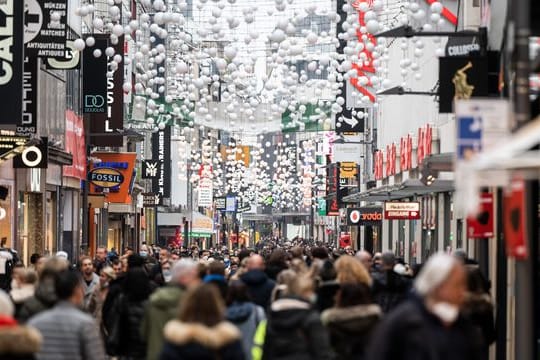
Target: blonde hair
{"x":301,"y":285}
{"x":350,"y":270}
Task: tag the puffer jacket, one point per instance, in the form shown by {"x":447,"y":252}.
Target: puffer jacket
{"x":294,"y":332}
{"x":350,"y":329}
{"x":259,"y":287}
{"x":132,"y":344}
{"x":18,"y":342}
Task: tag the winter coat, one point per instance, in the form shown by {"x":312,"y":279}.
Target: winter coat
{"x":161,"y":308}
{"x":294,"y":332}
{"x":18,"y":342}
{"x":350,"y":329}
{"x":132,"y":344}
{"x":410,"y":332}
{"x":246,"y":316}
{"x":44,"y":298}
{"x":478,"y":308}
{"x":259,"y":287}
{"x":220,"y":282}
{"x":326,"y":292}
{"x":89,"y":289}
{"x":390,"y":289}
{"x":199,"y":342}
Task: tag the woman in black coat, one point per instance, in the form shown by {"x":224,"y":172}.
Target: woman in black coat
{"x":351,"y":321}
{"x":201,"y":332}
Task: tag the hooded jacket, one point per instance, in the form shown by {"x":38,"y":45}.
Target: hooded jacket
{"x":390,"y":289}
{"x":189,"y":341}
{"x":350,"y":328}
{"x":162,"y":307}
{"x":259,"y":287}
{"x":294,"y":332}
{"x":44,"y":298}
{"x":246,"y":316}
{"x":18,"y":342}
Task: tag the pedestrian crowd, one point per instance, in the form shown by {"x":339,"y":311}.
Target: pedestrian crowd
{"x":274,"y":302}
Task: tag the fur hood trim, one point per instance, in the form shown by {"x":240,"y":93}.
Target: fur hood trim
{"x":352,"y":312}
{"x":290,"y":304}
{"x":17,"y":340}
{"x":215,"y":337}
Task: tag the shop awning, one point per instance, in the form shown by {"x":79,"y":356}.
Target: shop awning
{"x":408,"y":188}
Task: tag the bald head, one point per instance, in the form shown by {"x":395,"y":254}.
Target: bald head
{"x":255,"y":262}
{"x":365,"y":258}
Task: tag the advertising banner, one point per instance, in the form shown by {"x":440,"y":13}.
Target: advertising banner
{"x":75,"y":145}
{"x":11,"y":61}
{"x":161,"y":150}
{"x":515,"y":220}
{"x":481,"y":225}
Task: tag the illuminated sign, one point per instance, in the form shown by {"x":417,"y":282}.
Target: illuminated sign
{"x":105,"y":177}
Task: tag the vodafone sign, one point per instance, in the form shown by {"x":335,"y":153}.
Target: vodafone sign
{"x":402,"y":210}
{"x":364,"y":216}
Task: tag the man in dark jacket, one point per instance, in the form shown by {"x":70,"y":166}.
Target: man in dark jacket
{"x":389,"y":288}
{"x":259,"y":285}
{"x":429,"y":326}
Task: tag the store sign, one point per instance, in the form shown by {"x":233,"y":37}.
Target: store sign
{"x":462,"y":45}
{"x":114,"y":163}
{"x":425,"y":139}
{"x":205,"y":193}
{"x":150,"y":200}
{"x":105,"y":177}
{"x":105,"y":124}
{"x":75,"y":145}
{"x":348,"y":170}
{"x":405,"y":153}
{"x":461,"y":78}
{"x":332,"y":189}
{"x":348,"y":122}
{"x":230,"y":204}
{"x":161,"y":150}
{"x":33,"y":157}
{"x":43,"y":36}
{"x":481,"y":225}
{"x":150,"y":169}
{"x":515,"y":220}
{"x":364,"y":216}
{"x":378,"y":165}
{"x":95,"y":78}
{"x":28,"y":124}
{"x":11,"y":61}
{"x":402,"y":210}
{"x":391,"y":159}
{"x":220,"y":203}
{"x":70,"y":60}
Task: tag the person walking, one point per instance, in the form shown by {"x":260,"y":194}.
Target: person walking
{"x":90,"y":280}
{"x":294,"y":330}
{"x":429,"y":325}
{"x":351,"y":321}
{"x":17,"y":342}
{"x":163,"y":305}
{"x":389,"y":287}
{"x":259,"y":285}
{"x":201,"y":332}
{"x":68,"y":333}
{"x":99,"y":295}
{"x":244,"y":314}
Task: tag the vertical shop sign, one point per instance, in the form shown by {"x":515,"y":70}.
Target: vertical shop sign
{"x":95,"y":78}
{"x":44,"y":36}
{"x":480,"y":226}
{"x":515,"y":220}
{"x":161,"y":150}
{"x":28,"y":123}
{"x":11,"y":61}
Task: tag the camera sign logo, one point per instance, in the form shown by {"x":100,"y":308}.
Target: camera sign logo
{"x":105,"y":177}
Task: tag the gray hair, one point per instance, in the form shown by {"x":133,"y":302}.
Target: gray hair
{"x":183,"y":267}
{"x":434,"y":273}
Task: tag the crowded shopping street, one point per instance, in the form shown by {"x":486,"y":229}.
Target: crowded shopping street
{"x":269,"y":179}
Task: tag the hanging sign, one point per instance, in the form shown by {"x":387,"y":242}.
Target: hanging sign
{"x":364,"y":216}
{"x":28,"y":124}
{"x":515,"y":220}
{"x":11,"y":61}
{"x":95,"y":78}
{"x":33,"y":157}
{"x":161,"y":150}
{"x":205,"y":192}
{"x":150,"y":200}
{"x":402,"y":210}
{"x":220,"y":203}
{"x":481,"y":226}
{"x":45,"y":27}
{"x":150,"y":169}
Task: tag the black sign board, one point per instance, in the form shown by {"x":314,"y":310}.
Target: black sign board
{"x":332,"y":188}
{"x":150,"y":200}
{"x":33,"y":157}
{"x":161,"y":150}
{"x":11,"y":61}
{"x":461,"y":78}
{"x":347,"y":122}
{"x":103,"y":125}
{"x":45,"y":27}
{"x":462,"y":45}
{"x":220,"y":203}
{"x":150,"y":169}
{"x":364,"y":216}
{"x":28,"y":124}
{"x":95,"y":78}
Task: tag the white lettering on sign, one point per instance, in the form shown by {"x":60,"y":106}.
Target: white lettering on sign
{"x":6,"y":56}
